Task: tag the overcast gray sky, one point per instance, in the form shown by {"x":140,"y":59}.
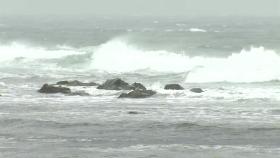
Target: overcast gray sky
{"x":142,"y":7}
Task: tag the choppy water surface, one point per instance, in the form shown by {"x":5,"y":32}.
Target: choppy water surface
{"x":238,"y":115}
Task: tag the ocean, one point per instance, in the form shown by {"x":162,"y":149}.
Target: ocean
{"x":235,"y":60}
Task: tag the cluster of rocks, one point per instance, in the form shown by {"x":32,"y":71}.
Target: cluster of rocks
{"x":59,"y":87}
{"x":179,"y":87}
{"x":136,"y":90}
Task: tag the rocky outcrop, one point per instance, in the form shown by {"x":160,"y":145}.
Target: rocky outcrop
{"x":196,"y":90}
{"x":173,"y":87}
{"x":76,"y":83}
{"x":54,"y":89}
{"x":138,"y":86}
{"x":115,"y":84}
{"x":138,"y":94}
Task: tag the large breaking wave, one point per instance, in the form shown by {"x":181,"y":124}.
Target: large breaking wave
{"x":117,"y":56}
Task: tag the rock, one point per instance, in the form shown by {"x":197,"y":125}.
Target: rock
{"x":138,"y":86}
{"x":76,"y":83}
{"x":79,"y":93}
{"x":138,"y":94}
{"x":54,"y":89}
{"x":133,"y":112}
{"x":196,"y":90}
{"x":173,"y":87}
{"x":115,"y":84}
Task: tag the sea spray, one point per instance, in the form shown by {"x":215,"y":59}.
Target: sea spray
{"x":118,"y":56}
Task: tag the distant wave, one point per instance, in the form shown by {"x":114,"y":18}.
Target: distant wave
{"x":197,"y":30}
{"x":19,"y":51}
{"x":118,"y":56}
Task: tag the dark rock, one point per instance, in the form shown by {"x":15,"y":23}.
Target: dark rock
{"x":79,"y":93}
{"x":196,"y":90}
{"x":63,"y":82}
{"x":115,"y":84}
{"x":138,"y":94}
{"x":173,"y":87}
{"x":76,"y":83}
{"x":138,"y":86}
{"x":54,"y":89}
{"x":133,"y":112}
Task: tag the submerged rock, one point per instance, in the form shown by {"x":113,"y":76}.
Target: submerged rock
{"x":138,"y":94}
{"x":76,"y":83}
{"x":196,"y":90}
{"x":133,"y":112}
{"x":115,"y":84}
{"x":173,"y":87}
{"x":138,"y":86}
{"x":54,"y":89}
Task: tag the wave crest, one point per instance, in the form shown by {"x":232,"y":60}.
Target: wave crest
{"x":15,"y":50}
{"x":254,"y":65}
{"x":117,"y":56}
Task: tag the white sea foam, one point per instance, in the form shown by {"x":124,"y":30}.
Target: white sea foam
{"x":196,"y":30}
{"x":15,"y":50}
{"x":254,"y":65}
{"x":2,"y":84}
{"x":118,"y":56}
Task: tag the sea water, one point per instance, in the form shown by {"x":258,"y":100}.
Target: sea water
{"x":234,"y":60}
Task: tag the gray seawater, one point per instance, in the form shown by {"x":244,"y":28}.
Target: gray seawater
{"x":235,"y":60}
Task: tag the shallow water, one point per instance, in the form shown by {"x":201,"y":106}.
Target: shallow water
{"x":168,"y":124}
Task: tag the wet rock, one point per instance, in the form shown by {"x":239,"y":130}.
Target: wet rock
{"x":196,"y":90}
{"x":115,"y":84}
{"x":138,"y":86}
{"x":79,"y":93}
{"x":133,"y":112}
{"x":76,"y":83}
{"x":54,"y":89}
{"x":173,"y":87}
{"x":138,"y":94}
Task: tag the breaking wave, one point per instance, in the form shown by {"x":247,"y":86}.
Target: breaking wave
{"x":197,"y":30}
{"x":254,"y":65}
{"x":16,"y":51}
{"x":117,"y":56}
